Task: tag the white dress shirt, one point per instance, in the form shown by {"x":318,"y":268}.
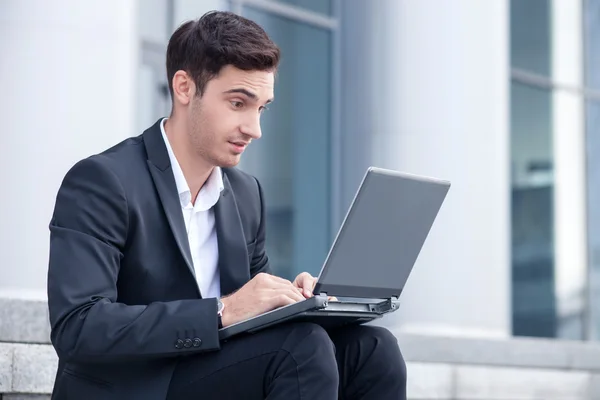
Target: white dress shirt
{"x":200,"y":223}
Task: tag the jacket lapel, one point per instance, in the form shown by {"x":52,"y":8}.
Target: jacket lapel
{"x":233,"y":257}
{"x":164,"y":181}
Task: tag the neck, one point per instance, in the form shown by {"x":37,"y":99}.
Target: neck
{"x":195,"y":169}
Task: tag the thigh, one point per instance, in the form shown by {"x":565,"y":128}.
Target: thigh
{"x":370,"y":363}
{"x":237,"y":370}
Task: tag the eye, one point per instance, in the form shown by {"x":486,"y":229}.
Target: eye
{"x":263,"y":109}
{"x":237,"y":104}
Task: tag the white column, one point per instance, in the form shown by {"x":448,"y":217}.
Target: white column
{"x":67,"y":74}
{"x":438,"y":105}
{"x":570,"y":223}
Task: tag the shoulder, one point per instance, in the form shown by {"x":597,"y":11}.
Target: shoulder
{"x":91,"y":191}
{"x":101,"y":181}
{"x":90,"y":181}
{"x":124,"y":155}
{"x":111,"y":165}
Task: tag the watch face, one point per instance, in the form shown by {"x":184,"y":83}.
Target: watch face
{"x":220,"y":307}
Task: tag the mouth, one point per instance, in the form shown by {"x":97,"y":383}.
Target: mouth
{"x":238,"y":146}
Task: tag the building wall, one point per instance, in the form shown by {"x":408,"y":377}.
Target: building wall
{"x":74,"y":83}
{"x":67,"y":74}
{"x":434,"y":101}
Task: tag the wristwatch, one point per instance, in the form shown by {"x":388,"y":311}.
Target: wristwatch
{"x":220,"y":308}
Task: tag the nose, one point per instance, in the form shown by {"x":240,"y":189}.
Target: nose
{"x":251,"y":127}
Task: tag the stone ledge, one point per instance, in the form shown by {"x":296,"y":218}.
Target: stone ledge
{"x":513,"y":352}
{"x":24,"y":321}
{"x":27,"y":372}
{"x":27,"y":368}
{"x":439,"y":367}
{"x":6,"y":371}
{"x":478,"y":382}
{"x":429,"y":381}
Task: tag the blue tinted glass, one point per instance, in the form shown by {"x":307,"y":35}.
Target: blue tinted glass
{"x":539,"y":309}
{"x":592,"y":43}
{"x":534,"y":305}
{"x":593,"y":211}
{"x":530,"y":39}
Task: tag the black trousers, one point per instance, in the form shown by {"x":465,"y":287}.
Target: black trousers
{"x":297,"y":361}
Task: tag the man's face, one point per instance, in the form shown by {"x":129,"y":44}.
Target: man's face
{"x":226,"y":118}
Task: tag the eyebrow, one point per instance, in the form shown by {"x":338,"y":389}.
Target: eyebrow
{"x":246,"y":92}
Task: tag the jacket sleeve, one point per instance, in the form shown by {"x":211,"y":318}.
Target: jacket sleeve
{"x":260,"y":260}
{"x":88,"y":232}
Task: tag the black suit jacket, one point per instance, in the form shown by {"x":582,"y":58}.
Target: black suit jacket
{"x":123,"y":300}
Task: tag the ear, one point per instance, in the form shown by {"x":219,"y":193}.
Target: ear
{"x":184,"y":88}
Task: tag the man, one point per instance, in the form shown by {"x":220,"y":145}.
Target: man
{"x":159,"y":241}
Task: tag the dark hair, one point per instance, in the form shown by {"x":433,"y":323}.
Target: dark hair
{"x":219,"y":38}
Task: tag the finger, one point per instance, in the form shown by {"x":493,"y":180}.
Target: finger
{"x":294,"y":294}
{"x":284,"y":299}
{"x":277,"y":289}
{"x":308,"y":283}
{"x":299,"y":279}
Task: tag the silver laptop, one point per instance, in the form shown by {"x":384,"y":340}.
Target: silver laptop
{"x":371,"y":257}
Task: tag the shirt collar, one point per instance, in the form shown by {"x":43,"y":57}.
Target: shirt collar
{"x":209,"y":193}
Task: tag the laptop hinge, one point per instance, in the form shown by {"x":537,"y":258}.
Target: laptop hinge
{"x":386,"y":306}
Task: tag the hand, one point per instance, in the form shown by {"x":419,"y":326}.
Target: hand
{"x":306,"y":283}
{"x":263,"y":293}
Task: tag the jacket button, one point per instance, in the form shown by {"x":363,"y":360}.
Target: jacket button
{"x":188,"y":343}
{"x":197,"y":342}
{"x":179,"y":344}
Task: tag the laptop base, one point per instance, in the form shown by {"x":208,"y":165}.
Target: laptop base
{"x":317,"y":310}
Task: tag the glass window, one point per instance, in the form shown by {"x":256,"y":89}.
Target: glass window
{"x":548,"y":301}
{"x":320,"y":6}
{"x":593,"y":199}
{"x":291,"y":160}
{"x":592,"y":43}
{"x":534,"y":302}
{"x":530,"y":38}
{"x":592,"y":80}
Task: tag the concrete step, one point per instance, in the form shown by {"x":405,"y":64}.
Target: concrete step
{"x":26,"y":369}
{"x":27,"y":372}
{"x":24,"y":321}
{"x":443,"y":368}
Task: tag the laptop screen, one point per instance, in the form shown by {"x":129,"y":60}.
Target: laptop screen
{"x":382,"y":235}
